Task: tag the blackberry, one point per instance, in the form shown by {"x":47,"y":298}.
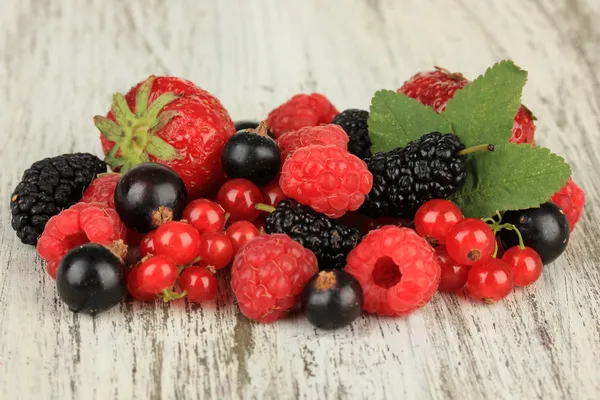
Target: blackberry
{"x":405,"y":178}
{"x":330,"y":241}
{"x":49,"y":186}
{"x":354,"y":122}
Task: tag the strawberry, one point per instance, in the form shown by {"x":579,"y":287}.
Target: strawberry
{"x":435,"y":88}
{"x":170,"y":121}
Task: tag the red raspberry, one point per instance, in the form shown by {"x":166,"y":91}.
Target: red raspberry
{"x":571,"y":200}
{"x":102,"y":190}
{"x":311,"y":135}
{"x":397,"y":269}
{"x":269,"y":274}
{"x":326,"y":178}
{"x":79,"y":224}
{"x":435,"y":88}
{"x":300,"y":111}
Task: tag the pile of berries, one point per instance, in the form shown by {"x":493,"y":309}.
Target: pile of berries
{"x":297,"y":206}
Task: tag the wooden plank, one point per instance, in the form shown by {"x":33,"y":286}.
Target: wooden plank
{"x":60,"y":61}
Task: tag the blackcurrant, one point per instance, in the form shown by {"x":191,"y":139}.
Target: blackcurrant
{"x":149,"y":195}
{"x":545,"y":229}
{"x":332,"y":299}
{"x":251,"y":154}
{"x":91,"y":279}
{"x":240,"y":125}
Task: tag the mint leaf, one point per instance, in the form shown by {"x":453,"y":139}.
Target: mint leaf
{"x":484,"y":110}
{"x":395,"y":120}
{"x":513,"y":177}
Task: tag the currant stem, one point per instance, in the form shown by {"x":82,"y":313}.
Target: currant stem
{"x":262,"y":129}
{"x":265,"y":207}
{"x":481,"y":147}
{"x":495,"y":253}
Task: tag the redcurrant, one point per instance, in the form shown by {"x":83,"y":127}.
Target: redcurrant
{"x":157,"y":274}
{"x":526,"y":264}
{"x":435,"y":218}
{"x":239,"y":198}
{"x":205,"y":215}
{"x":454,"y":276}
{"x":147,"y":244}
{"x":240,"y":233}
{"x":490,"y":281}
{"x":177,"y":240}
{"x":470,"y":241}
{"x":198,"y":283}
{"x":272,"y":193}
{"x":216,"y":249}
{"x":134,"y":288}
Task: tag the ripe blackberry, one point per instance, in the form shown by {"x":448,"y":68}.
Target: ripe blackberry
{"x":49,"y":186}
{"x":405,"y":178}
{"x":354,"y":122}
{"x":330,"y":241}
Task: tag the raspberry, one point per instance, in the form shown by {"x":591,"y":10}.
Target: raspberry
{"x":326,"y":178}
{"x":397,"y":269}
{"x":355,"y":123}
{"x":79,"y":224}
{"x":269,"y":274}
{"x":435,"y":88}
{"x":571,"y":200}
{"x":300,"y":111}
{"x":405,"y":178}
{"x":102,"y":190}
{"x":312,"y":135}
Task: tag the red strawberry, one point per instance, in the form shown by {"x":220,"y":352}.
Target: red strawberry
{"x":435,"y":88}
{"x":171,"y":121}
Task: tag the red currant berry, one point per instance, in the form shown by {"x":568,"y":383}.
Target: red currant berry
{"x":240,"y":233}
{"x":435,"y":218}
{"x":490,"y":281}
{"x":177,"y":240}
{"x":135,"y":289}
{"x":470,"y":241}
{"x":205,"y":215}
{"x":454,"y":276}
{"x":198,"y":283}
{"x":157,"y":274}
{"x":526,"y":264}
{"x":147,"y":244}
{"x":216,"y":249}
{"x":272,"y":193}
{"x":239,"y":198}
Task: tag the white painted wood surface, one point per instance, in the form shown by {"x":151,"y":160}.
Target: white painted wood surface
{"x":61,"y":60}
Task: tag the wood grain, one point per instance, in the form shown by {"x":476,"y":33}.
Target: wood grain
{"x":60,"y":61}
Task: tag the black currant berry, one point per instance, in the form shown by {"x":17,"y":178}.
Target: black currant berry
{"x":251,"y":154}
{"x":239,"y":125}
{"x":544,"y":229}
{"x":332,"y":299}
{"x":91,"y":279}
{"x":149,"y":195}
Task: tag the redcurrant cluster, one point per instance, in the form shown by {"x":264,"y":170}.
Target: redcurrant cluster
{"x":179,"y":259}
{"x":469,"y":253}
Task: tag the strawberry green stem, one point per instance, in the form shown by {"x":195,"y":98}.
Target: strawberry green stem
{"x":481,"y":147}
{"x":265,"y":207}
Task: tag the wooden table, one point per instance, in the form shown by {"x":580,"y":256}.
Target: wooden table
{"x":61,"y":60}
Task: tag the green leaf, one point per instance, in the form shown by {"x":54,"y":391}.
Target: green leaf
{"x":158,"y":104}
{"x":484,"y":111}
{"x":142,"y":95}
{"x":122,"y":112}
{"x":109,"y":128}
{"x":160,"y":149}
{"x":395,"y":120}
{"x":513,"y":177}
